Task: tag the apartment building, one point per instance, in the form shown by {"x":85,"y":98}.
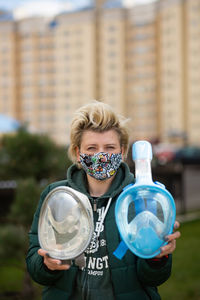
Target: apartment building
{"x":192,"y":70}
{"x":57,"y":72}
{"x":142,"y":71}
{"x":143,"y":61}
{"x":179,"y":90}
{"x":172,"y":64}
{"x":36,"y":73}
{"x":75,"y":72}
{"x":8,"y":67}
{"x":111,"y":66}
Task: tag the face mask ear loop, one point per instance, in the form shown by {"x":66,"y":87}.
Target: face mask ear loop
{"x":104,"y":215}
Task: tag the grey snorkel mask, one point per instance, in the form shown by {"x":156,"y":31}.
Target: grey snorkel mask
{"x":66,"y":225}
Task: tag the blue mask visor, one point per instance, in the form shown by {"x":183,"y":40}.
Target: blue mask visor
{"x":145,"y":212}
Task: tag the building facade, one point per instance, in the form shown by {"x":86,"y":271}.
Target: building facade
{"x":143,"y":61}
{"x":8,"y":67}
{"x":142,"y":71}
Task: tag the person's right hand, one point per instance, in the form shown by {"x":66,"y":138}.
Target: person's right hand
{"x":52,"y":263}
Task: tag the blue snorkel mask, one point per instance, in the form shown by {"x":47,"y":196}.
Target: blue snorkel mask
{"x":145,"y":211}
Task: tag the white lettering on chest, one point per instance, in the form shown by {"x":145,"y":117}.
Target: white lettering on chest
{"x":98,"y":263}
{"x":100,"y":212}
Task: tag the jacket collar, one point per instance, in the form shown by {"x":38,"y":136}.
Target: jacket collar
{"x":77,"y":179}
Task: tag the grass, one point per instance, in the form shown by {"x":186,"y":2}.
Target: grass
{"x":11,"y":279}
{"x":183,"y":284}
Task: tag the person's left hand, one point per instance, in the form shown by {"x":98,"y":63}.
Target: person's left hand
{"x":171,"y":239}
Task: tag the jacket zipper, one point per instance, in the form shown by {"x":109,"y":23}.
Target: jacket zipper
{"x":95,"y":204}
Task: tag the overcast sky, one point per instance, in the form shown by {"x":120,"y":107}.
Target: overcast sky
{"x":51,"y":7}
{"x":11,"y":4}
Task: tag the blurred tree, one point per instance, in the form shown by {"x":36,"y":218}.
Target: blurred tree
{"x":32,"y":161}
{"x":32,"y":155}
{"x":14,"y":232}
{"x":26,"y":199}
{"x":12,"y":241}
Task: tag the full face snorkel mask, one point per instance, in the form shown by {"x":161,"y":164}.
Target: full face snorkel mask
{"x":66,"y":225}
{"x":145,"y":211}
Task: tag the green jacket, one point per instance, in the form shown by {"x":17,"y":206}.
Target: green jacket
{"x":132,"y":277}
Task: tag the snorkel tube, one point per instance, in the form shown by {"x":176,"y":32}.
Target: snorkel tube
{"x":145,"y":212}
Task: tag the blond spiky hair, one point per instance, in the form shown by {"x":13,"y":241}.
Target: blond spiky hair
{"x":99,"y":117}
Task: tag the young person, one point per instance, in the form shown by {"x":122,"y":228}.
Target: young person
{"x":98,"y":135}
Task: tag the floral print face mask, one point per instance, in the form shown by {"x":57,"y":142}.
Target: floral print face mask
{"x":101,"y":165}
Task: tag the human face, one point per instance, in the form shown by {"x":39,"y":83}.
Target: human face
{"x":102,"y":154}
{"x":93,"y":142}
